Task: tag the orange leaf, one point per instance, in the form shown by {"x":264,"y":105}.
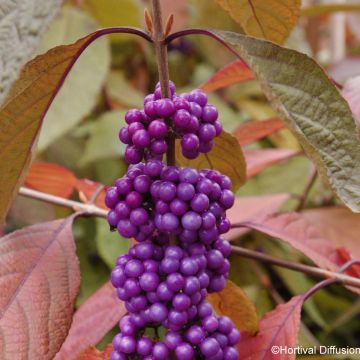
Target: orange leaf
{"x":256,"y":130}
{"x":278,"y":328}
{"x":234,"y":303}
{"x":100,"y":313}
{"x":51,"y":178}
{"x":258,"y":160}
{"x":87,"y":188}
{"x":94,"y":354}
{"x":231,"y":74}
{"x":39,"y":280}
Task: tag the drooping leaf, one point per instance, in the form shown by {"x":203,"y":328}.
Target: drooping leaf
{"x":51,"y":178}
{"x":98,"y":315}
{"x":256,"y":130}
{"x":226,"y":156}
{"x":22,"y":114}
{"x":231,"y":74}
{"x":278,"y":328}
{"x":248,"y":208}
{"x":271,"y":19}
{"x":39,"y":280}
{"x":297,"y":231}
{"x":323,"y":9}
{"x":22,"y":24}
{"x":351,"y":92}
{"x":94,"y":354}
{"x":103,"y":141}
{"x":312,"y":107}
{"x":337,"y":225}
{"x":79,"y":93}
{"x":234,"y":303}
{"x":258,"y":160}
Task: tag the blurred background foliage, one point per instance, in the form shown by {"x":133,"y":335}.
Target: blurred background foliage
{"x":114,"y":74}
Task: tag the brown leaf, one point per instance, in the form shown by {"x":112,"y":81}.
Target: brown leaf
{"x":247,"y":208}
{"x":234,"y":73}
{"x":22,"y":113}
{"x":94,"y":354}
{"x":51,"y":178}
{"x":226,"y":156}
{"x":258,"y":160}
{"x":234,"y":303}
{"x":278,"y":328}
{"x":256,"y":130}
{"x":39,"y":280}
{"x":100,"y":313}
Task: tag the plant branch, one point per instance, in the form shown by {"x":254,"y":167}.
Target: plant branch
{"x":87,"y":209}
{"x":310,"y":183}
{"x":93,"y":210}
{"x":306,"y":269}
{"x":162,"y":61}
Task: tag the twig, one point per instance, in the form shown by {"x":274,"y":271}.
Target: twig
{"x":308,"y":187}
{"x":306,"y":269}
{"x":93,"y":210}
{"x":87,"y":209}
{"x":162,"y":61}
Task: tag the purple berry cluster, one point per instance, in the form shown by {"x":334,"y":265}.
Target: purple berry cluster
{"x":192,"y":120}
{"x":167,"y":286}
{"x":164,"y":283}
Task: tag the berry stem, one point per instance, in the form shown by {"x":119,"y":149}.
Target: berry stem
{"x":158,"y":38}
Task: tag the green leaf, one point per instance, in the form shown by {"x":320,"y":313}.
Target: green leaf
{"x":22,"y":24}
{"x":324,"y":9}
{"x":226,"y":156}
{"x":79,"y":94}
{"x":109,"y":244}
{"x":103,"y":141}
{"x":270,"y":19}
{"x":304,"y":96}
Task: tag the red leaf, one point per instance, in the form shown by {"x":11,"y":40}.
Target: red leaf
{"x":258,"y":160}
{"x":296,"y":230}
{"x":87,"y":188}
{"x":51,"y":178}
{"x":253,"y":207}
{"x":256,"y":130}
{"x":278,"y":328}
{"x":95,"y":318}
{"x":95,"y":354}
{"x":39,"y":281}
{"x":338,"y":225}
{"x":231,"y":74}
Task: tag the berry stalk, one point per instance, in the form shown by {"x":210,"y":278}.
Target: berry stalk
{"x":163,"y":69}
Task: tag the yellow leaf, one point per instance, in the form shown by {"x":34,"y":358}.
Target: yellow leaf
{"x":271,"y":19}
{"x":115,"y":13}
{"x":317,"y":10}
{"x":226,"y":157}
{"x":234,"y":303}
